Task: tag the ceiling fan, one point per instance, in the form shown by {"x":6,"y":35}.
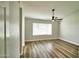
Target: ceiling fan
{"x":53,"y":17}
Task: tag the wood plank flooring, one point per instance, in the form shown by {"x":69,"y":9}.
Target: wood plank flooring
{"x":49,"y":49}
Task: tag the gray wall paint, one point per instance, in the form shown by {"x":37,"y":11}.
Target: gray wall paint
{"x":69,"y":28}
{"x":28,"y":29}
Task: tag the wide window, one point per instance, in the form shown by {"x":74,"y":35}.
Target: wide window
{"x":42,"y":29}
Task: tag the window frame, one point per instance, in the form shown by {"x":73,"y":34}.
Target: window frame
{"x":39,"y":25}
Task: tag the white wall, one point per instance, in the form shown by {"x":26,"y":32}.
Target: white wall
{"x":69,"y":28}
{"x":28,"y":29}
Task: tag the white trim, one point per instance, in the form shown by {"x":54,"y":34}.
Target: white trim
{"x":69,"y":41}
{"x":41,"y":39}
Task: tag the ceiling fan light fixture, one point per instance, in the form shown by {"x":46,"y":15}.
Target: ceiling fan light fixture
{"x":53,"y":17}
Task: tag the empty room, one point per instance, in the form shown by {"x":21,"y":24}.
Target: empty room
{"x":39,"y":29}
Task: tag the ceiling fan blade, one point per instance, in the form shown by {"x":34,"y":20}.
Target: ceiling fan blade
{"x":59,"y":19}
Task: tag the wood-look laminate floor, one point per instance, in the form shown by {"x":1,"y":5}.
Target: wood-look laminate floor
{"x":50,"y":49}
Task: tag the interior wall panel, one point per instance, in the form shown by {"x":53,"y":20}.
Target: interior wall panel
{"x":1,"y":32}
{"x":14,"y":47}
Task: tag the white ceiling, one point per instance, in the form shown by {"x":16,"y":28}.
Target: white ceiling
{"x":42,"y":9}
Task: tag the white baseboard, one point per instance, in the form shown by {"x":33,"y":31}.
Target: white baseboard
{"x":69,"y":41}
{"x":41,"y":39}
